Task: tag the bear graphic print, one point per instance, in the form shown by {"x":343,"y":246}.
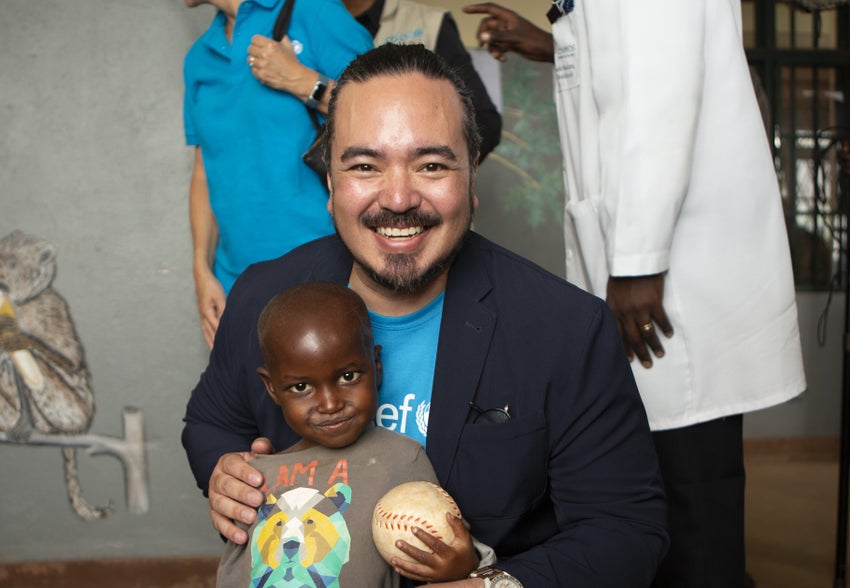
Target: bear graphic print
{"x":315,"y":526}
{"x":301,"y":538}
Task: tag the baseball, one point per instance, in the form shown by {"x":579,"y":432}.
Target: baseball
{"x":408,"y":505}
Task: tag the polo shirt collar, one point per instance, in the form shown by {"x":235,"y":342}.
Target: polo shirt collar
{"x":214,"y":36}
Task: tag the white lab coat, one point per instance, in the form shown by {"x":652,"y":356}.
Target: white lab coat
{"x":667,"y":168}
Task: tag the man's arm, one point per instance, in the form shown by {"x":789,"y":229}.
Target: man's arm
{"x":208,"y":289}
{"x":225,"y":476}
{"x":661,"y":62}
{"x":604,"y":479}
{"x":450,"y":47}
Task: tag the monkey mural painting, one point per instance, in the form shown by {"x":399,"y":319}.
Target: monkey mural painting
{"x":46,"y":396}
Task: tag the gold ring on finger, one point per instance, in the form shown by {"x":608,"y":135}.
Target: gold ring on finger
{"x":646,"y":328}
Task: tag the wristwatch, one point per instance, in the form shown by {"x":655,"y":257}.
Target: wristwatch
{"x":494,"y":578}
{"x":318,"y":91}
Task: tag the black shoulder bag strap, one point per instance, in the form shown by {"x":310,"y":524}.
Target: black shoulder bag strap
{"x":281,"y":25}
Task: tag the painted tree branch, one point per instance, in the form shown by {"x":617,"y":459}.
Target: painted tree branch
{"x":129,"y":449}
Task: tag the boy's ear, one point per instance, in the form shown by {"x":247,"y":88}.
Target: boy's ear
{"x":267,"y":382}
{"x":379,"y":368}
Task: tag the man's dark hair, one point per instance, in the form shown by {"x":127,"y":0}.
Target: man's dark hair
{"x":395,"y":60}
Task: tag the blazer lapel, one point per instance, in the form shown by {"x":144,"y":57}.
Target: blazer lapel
{"x":465,"y":335}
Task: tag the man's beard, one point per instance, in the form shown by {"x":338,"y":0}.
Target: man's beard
{"x":400,"y":272}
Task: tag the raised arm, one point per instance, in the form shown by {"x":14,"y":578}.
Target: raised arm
{"x":276,"y":65}
{"x":335,"y":39}
{"x":503,"y":31}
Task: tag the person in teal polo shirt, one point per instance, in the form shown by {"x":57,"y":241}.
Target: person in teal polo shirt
{"x":251,"y":197}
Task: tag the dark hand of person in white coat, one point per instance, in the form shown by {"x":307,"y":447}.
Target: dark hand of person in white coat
{"x":637,"y":305}
{"x":503,"y":31}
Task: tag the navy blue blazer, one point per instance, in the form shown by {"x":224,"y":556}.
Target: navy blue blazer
{"x":567,"y":492}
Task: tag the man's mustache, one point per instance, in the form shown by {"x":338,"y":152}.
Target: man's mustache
{"x":410,"y":218}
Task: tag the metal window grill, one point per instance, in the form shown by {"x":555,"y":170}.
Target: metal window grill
{"x":805,"y":69}
{"x":813,"y":135}
{"x":817,"y":5}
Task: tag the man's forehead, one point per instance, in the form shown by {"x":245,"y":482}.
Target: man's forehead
{"x":392,"y":84}
{"x":398,"y":112}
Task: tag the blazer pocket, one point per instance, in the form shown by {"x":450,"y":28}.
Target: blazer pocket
{"x":504,"y":466}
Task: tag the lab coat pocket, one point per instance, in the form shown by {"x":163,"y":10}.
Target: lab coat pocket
{"x":591,"y":244}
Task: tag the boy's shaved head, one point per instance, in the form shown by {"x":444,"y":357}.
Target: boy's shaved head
{"x":320,"y":301}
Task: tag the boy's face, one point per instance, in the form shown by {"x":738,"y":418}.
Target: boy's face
{"x":324,"y":377}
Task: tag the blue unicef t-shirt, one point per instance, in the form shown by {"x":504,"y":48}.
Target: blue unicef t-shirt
{"x":408,"y":354}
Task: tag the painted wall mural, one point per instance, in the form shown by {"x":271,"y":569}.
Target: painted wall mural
{"x":531,"y":147}
{"x":46,"y":396}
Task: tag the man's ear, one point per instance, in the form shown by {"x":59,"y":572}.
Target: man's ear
{"x":267,"y":382}
{"x":472,"y":186}
{"x":379,"y":367}
{"x":330,"y":184}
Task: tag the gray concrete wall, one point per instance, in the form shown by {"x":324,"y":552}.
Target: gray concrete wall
{"x":92,"y":159}
{"x":817,"y":412}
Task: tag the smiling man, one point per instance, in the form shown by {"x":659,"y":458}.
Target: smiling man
{"x":406,"y":175}
{"x":524,"y":398}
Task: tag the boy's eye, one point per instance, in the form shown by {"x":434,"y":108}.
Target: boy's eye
{"x":349,"y":377}
{"x":299,"y":388}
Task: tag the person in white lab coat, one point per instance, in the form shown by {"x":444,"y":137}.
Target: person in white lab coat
{"x":673,"y":214}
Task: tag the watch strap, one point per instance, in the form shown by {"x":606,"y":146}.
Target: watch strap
{"x":318,"y":91}
{"x":496,"y":578}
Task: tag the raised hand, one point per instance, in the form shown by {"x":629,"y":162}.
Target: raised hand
{"x":503,"y":31}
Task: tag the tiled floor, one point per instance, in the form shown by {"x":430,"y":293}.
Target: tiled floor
{"x":792,"y":503}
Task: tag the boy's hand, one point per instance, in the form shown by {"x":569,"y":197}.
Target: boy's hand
{"x":452,"y":561}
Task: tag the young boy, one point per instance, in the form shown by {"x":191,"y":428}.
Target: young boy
{"x":323,"y":370}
